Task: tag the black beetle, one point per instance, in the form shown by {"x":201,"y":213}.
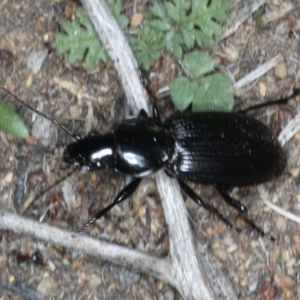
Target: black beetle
{"x":222,"y":149}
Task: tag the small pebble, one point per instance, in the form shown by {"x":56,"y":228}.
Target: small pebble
{"x":95,"y":281}
{"x":296,"y":241}
{"x":45,"y":286}
{"x":8,"y":177}
{"x":283,"y":281}
{"x":281,"y":70}
{"x":136,"y":19}
{"x":36,"y":59}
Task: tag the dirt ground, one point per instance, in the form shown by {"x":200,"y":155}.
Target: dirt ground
{"x":257,"y":267}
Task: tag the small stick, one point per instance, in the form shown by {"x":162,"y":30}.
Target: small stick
{"x":282,"y":212}
{"x":242,"y":11}
{"x":258,"y":72}
{"x":290,"y":130}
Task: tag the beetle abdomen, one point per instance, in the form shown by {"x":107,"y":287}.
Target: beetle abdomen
{"x":224,"y":148}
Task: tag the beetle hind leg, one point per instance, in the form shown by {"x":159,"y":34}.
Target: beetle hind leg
{"x":190,"y":193}
{"x":231,"y":201}
{"x":243,"y":211}
{"x":127,"y":191}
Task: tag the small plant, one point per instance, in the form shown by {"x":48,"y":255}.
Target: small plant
{"x":116,"y":9}
{"x":211,"y":92}
{"x":172,"y":26}
{"x":259,"y":20}
{"x":80,"y":39}
{"x":188,"y":23}
{"x":147,"y":46}
{"x":179,"y":24}
{"x":11,"y":123}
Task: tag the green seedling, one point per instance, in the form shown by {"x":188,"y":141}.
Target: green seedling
{"x":174,"y":26}
{"x":11,"y":123}
{"x":187,"y":24}
{"x":79,"y":38}
{"x":203,"y":90}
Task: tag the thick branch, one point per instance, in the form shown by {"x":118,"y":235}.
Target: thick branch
{"x":126,"y":257}
{"x":188,"y":274}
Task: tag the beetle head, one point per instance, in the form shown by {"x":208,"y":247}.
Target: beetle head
{"x":94,"y":152}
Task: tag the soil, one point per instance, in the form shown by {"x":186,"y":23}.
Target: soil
{"x":32,"y":269}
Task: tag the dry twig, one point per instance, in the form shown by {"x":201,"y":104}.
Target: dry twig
{"x":187,"y":273}
{"x":243,"y":10}
{"x":258,"y":72}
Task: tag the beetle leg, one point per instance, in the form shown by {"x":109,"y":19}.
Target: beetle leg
{"x":243,"y":209}
{"x":93,"y":133}
{"x":155,"y":113}
{"x":143,"y":114}
{"x":231,"y":201}
{"x":127,"y":191}
{"x":191,"y":194}
{"x":122,"y":195}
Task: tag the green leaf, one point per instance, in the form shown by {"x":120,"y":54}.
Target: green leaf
{"x":259,"y":20}
{"x":173,"y":12}
{"x":157,"y":10}
{"x":211,"y":93}
{"x":182,"y":92}
{"x":214,"y":93}
{"x":202,"y":39}
{"x":116,"y":9}
{"x":207,"y":18}
{"x":198,"y":63}
{"x":10,"y":122}
{"x":188,"y":23}
{"x":173,"y":42}
{"x":79,"y":38}
{"x":221,"y":15}
{"x":80,"y":41}
{"x":188,"y":36}
{"x":147,"y":46}
{"x":159,"y":25}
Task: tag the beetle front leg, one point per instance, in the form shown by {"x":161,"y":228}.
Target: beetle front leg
{"x":122,"y":195}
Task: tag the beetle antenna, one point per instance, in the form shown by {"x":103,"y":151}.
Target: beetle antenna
{"x":27,"y":203}
{"x":76,"y":137}
{"x":295,"y":92}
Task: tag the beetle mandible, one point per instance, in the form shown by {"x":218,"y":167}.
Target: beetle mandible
{"x":217,"y":148}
